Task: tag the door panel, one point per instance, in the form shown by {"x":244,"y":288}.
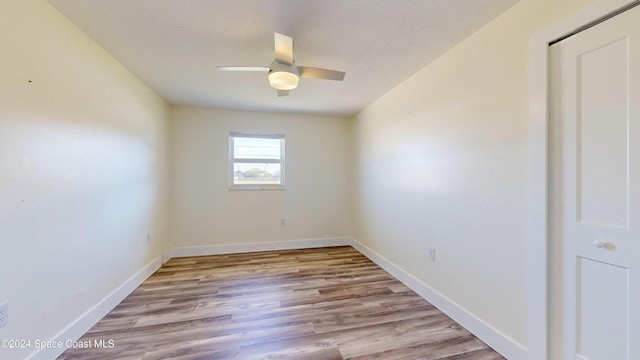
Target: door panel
{"x":594,"y":189}
{"x":603,"y":313}
{"x":602,"y":127}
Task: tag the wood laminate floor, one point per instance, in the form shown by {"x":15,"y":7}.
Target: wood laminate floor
{"x":310,"y":304}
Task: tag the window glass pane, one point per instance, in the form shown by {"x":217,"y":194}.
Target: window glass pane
{"x":256,"y":173}
{"x":256,"y":148}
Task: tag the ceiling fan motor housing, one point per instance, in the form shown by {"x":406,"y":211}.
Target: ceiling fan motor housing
{"x":283,"y":76}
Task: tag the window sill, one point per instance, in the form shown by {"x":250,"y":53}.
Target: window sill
{"x":255,"y":187}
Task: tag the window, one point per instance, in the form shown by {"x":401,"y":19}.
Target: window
{"x":256,"y":161}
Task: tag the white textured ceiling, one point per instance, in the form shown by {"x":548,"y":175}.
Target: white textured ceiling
{"x":174,"y":46}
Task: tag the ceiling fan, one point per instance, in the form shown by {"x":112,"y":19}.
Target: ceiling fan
{"x":283,"y":73}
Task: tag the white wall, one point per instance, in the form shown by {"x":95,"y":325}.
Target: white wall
{"x":82,"y":172}
{"x":441,"y":162}
{"x":205,"y":212}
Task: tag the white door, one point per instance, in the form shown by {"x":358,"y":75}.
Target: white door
{"x":595,"y":192}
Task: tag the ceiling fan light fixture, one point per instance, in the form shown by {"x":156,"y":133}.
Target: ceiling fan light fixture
{"x":283,"y":74}
{"x":283,"y":80}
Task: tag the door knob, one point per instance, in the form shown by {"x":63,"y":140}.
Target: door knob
{"x":599,"y":244}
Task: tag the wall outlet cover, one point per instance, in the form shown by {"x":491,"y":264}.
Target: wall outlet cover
{"x":432,"y":254}
{"x":4,"y":314}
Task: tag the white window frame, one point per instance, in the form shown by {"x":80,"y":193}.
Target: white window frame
{"x":232,"y":161}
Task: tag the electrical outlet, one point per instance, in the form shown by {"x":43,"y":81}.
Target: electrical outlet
{"x":148,"y":238}
{"x":283,"y":222}
{"x":4,"y":314}
{"x":432,"y":254}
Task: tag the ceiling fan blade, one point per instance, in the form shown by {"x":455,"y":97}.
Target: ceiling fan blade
{"x":284,"y":48}
{"x":282,"y":93}
{"x":319,"y":73}
{"x":243,"y":68}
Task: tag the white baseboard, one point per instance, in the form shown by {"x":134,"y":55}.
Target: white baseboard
{"x":167,"y":255}
{"x":498,"y":341}
{"x":492,"y":337}
{"x":83,"y":323}
{"x":254,"y":247}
